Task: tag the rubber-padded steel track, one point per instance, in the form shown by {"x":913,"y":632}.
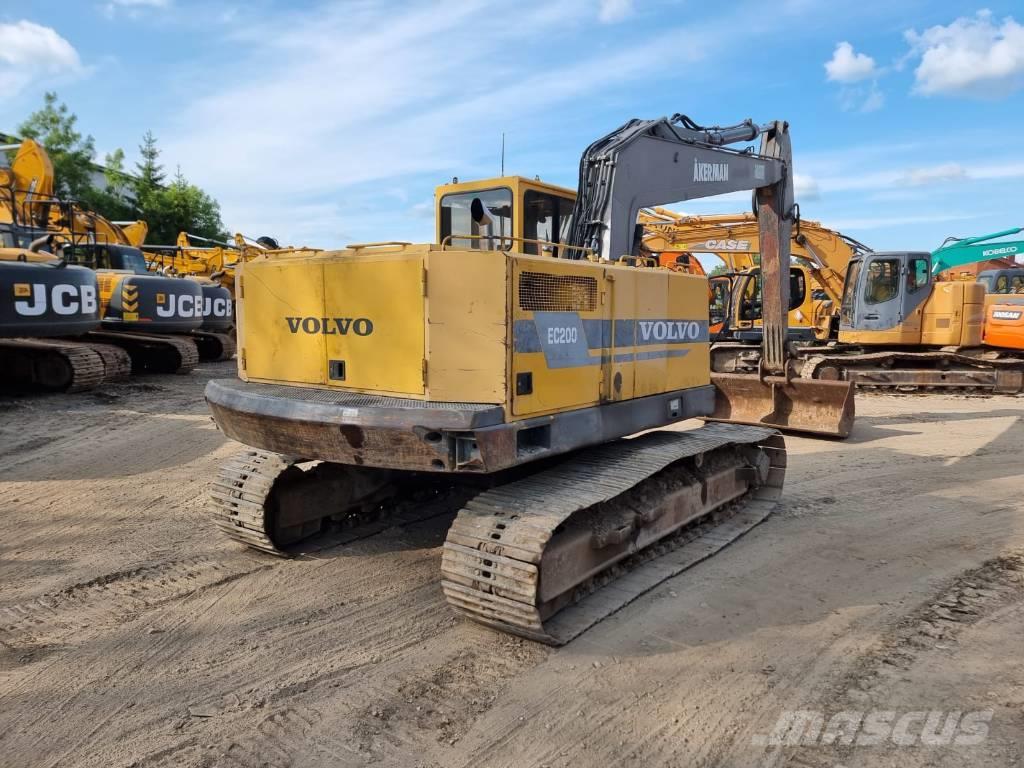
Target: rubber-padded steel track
{"x":49,"y":365}
{"x":494,"y":555}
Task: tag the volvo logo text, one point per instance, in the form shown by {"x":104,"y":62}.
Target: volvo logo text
{"x":664,"y":330}
{"x":331,"y":326}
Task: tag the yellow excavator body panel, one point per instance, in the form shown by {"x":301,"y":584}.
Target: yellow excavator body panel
{"x":953,"y":315}
{"x":533,"y":334}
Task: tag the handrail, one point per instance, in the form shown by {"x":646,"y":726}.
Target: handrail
{"x":381,"y":244}
{"x":588,"y":252}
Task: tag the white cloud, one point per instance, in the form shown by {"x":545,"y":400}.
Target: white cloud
{"x":30,"y":52}
{"x":611,"y":11}
{"x":133,"y":7}
{"x":936,"y":174}
{"x":847,"y":66}
{"x":806,"y":187}
{"x":971,"y":56}
{"x":875,"y":100}
{"x":353,"y":98}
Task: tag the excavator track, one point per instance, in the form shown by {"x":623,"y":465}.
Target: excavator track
{"x":117,"y":364}
{"x":214,"y":346}
{"x":266,"y":501}
{"x":948,"y":371}
{"x":151,"y":353}
{"x":239,"y":494}
{"x":607,"y":525}
{"x":49,"y":365}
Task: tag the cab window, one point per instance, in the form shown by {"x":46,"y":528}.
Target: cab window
{"x":883,"y":281}
{"x":547,"y":217}
{"x":486,"y":215}
{"x":719,"y":305}
{"x":797,"y":289}
{"x":846,"y":308}
{"x":917,"y":275}
{"x":1002,"y":284}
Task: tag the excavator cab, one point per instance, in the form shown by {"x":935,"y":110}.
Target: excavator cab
{"x":890,"y":298}
{"x":505,"y":212}
{"x":1004,"y":281}
{"x":748,"y":303}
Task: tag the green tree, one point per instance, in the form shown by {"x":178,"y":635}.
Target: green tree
{"x":53,"y":126}
{"x":149,"y":174}
{"x":182,"y":206}
{"x":167,"y":209}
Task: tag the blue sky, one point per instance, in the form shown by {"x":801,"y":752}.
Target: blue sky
{"x":324,"y":123}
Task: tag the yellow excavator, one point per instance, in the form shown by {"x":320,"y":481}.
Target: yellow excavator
{"x":515,"y":356}
{"x":157,"y":321}
{"x":902,"y":329}
{"x":200,"y":257}
{"x":821,"y":256}
{"x":47,"y":305}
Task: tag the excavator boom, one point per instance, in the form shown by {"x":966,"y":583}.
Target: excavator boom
{"x":648,"y":163}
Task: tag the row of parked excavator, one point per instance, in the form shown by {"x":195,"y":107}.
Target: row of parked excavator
{"x":85,"y":302}
{"x":90,"y":302}
{"x":946,"y":320}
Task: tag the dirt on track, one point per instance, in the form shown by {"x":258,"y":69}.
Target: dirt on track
{"x":132,"y":634}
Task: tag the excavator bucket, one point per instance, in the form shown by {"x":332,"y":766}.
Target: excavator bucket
{"x":799,"y":405}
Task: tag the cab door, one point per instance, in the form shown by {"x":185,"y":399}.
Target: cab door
{"x":880,"y":300}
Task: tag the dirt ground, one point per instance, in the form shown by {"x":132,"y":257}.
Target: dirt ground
{"x":132,"y":634}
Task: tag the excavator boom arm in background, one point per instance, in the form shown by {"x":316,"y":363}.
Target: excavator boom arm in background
{"x":955,"y":253}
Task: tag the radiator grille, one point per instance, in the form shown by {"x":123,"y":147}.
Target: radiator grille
{"x":543,"y":292}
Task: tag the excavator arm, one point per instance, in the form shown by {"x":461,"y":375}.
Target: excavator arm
{"x":736,"y":239}
{"x":655,"y":162}
{"x":649,"y":163}
{"x":955,"y":253}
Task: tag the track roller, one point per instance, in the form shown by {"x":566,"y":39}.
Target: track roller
{"x":613,"y":521}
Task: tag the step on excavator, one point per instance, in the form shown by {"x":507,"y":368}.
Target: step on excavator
{"x":516,"y":356}
{"x":901,"y":329}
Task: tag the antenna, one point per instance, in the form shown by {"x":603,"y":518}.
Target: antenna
{"x":502,"y":153}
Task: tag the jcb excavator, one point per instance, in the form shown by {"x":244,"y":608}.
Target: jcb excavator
{"x":900,"y":328}
{"x":104,"y":245}
{"x":519,"y":351}
{"x":44,"y":300}
{"x":140,"y":311}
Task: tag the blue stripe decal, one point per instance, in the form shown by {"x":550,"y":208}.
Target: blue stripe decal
{"x":567,"y":340}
